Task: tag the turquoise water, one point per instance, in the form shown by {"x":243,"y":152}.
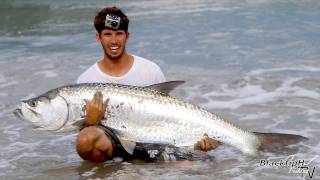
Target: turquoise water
{"x":256,"y":63}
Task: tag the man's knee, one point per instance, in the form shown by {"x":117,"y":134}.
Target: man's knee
{"x":86,"y":141}
{"x":93,"y":144}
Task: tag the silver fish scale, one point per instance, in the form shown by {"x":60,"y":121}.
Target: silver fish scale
{"x":146,"y":115}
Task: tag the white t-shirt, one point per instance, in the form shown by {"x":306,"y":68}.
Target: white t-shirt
{"x":142,"y":73}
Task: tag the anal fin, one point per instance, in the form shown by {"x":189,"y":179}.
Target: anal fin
{"x":272,"y":140}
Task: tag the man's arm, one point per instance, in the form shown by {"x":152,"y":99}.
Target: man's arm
{"x":206,"y":144}
{"x":95,"y":109}
{"x":92,"y":142}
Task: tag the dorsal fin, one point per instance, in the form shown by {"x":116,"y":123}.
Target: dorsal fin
{"x":166,"y":87}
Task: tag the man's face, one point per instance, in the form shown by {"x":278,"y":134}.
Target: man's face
{"x":113,"y":42}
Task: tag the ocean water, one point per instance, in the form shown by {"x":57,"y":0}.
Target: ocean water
{"x":254,"y":62}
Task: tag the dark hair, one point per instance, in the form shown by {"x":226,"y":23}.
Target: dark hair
{"x":100,"y":18}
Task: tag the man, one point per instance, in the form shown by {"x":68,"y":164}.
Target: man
{"x":118,"y":66}
{"x":97,"y":143}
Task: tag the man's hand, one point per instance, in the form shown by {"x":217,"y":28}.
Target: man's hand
{"x":206,"y":144}
{"x":95,"y":109}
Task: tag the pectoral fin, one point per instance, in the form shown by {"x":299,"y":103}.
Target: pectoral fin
{"x":128,"y":145}
{"x":80,"y":123}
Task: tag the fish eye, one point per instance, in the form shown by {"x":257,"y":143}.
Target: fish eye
{"x":32,"y":103}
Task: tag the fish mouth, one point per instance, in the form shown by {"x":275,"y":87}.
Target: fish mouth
{"x":18,"y":113}
{"x":34,"y":112}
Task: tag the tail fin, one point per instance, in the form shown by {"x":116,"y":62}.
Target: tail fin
{"x":272,"y":140}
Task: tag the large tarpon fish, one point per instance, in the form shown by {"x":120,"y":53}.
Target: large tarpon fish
{"x":136,"y":114}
